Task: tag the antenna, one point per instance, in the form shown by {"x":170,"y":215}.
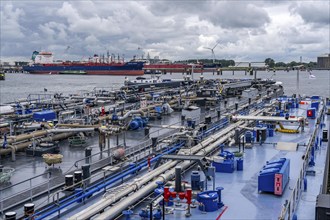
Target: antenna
{"x":212,"y":50}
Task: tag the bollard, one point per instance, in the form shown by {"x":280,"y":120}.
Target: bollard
{"x":10,"y":216}
{"x":28,"y":209}
{"x":68,"y":180}
{"x":78,"y":176}
{"x":1,"y":168}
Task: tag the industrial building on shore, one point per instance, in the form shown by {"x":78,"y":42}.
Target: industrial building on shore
{"x":323,"y":61}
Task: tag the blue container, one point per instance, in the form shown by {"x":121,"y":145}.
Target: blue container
{"x":47,"y":115}
{"x":248,"y":137}
{"x":226,"y":167}
{"x":271,"y":132}
{"x":266,"y":178}
{"x":315,"y":105}
{"x":240,"y":164}
{"x":195,"y":180}
{"x":209,"y":199}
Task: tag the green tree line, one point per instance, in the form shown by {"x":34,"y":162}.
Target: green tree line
{"x":268,"y":61}
{"x":271,"y":63}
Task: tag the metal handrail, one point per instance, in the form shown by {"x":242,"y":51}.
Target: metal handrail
{"x":48,"y":173}
{"x":290,"y":206}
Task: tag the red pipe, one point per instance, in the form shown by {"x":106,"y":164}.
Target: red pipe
{"x":188,"y":196}
{"x":166,"y":194}
{"x":173,"y":194}
{"x":182,"y":195}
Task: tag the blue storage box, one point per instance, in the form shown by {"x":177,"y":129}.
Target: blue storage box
{"x":274,"y":176}
{"x":209,"y":199}
{"x":47,"y":115}
{"x":227,"y":166}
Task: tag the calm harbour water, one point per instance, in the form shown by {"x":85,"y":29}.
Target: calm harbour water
{"x":19,"y":86}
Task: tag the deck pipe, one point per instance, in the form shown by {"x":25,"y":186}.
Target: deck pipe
{"x":17,"y":147}
{"x":116,"y":209}
{"x":94,"y":189}
{"x":21,"y":146}
{"x":212,"y":142}
{"x":77,"y":126}
{"x":23,"y":137}
{"x":103,"y":203}
{"x":131,"y":112}
{"x":62,"y":130}
{"x":175,"y":147}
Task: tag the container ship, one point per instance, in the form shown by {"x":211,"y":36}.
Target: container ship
{"x":42,"y":63}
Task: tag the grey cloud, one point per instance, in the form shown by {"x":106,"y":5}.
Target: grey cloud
{"x":10,"y":19}
{"x":316,"y":12}
{"x":171,"y":29}
{"x":238,"y":15}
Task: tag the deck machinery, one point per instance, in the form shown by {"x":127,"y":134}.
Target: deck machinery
{"x":190,"y":168}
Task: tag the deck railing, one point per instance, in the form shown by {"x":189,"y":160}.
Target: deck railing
{"x":289,"y":208}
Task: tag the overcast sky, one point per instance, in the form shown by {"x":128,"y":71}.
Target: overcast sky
{"x":245,"y":30}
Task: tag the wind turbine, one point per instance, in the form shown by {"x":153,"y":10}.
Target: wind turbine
{"x":212,"y":50}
